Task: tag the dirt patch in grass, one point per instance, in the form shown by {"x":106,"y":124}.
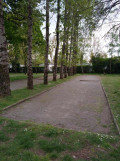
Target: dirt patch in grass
{"x":86,"y":153}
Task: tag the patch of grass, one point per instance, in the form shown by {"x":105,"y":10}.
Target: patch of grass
{"x":3,"y":137}
{"x":105,"y":126}
{"x":113,"y":155}
{"x":52,"y":132}
{"x":21,"y":76}
{"x":11,"y":126}
{"x":25,"y":139}
{"x":61,"y":147}
{"x":53,"y":155}
{"x":67,"y":158}
{"x":75,"y":141}
{"x":20,"y":94}
{"x":12,"y":153}
{"x":111,"y":85}
{"x":52,"y":145}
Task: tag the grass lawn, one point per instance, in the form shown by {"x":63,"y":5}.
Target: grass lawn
{"x":20,"y":76}
{"x":111,"y":84}
{"x":22,"y":141}
{"x":25,"y":141}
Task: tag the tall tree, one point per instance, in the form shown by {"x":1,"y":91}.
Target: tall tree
{"x":47,"y":44}
{"x":29,"y":63}
{"x":64,"y":42}
{"x":70,"y":73}
{"x":16,"y":25}
{"x":57,"y":38}
{"x":4,"y":62}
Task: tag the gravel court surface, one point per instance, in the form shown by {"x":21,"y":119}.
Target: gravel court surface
{"x":78,"y":104}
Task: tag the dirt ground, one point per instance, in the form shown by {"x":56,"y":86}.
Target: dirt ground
{"x":78,"y":104}
{"x":19,"y":84}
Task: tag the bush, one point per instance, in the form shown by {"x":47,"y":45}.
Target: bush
{"x":24,"y":70}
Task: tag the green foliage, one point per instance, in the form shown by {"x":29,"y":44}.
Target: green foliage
{"x":103,"y":65}
{"x":86,"y":69}
{"x":15,"y":13}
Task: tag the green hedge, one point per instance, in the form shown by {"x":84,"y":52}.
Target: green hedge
{"x":86,"y":69}
{"x":24,"y":70}
{"x":105,"y":65}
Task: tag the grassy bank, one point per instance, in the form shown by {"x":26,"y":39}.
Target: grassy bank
{"x":111,"y":85}
{"x":20,"y":76}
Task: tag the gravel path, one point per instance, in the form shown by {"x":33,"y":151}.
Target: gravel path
{"x":78,"y":104}
{"x":19,"y":84}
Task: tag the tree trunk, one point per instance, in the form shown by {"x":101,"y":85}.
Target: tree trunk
{"x":64,"y":45}
{"x":57,"y":46}
{"x":81,"y":60}
{"x":71,"y":71}
{"x":74,"y":54}
{"x":29,"y":58}
{"x":4,"y":61}
{"x":75,"y":47}
{"x":71,"y":45}
{"x":62,"y":61}
{"x":110,"y":65}
{"x":25,"y":64}
{"x":47,"y":44}
{"x":66,"y":64}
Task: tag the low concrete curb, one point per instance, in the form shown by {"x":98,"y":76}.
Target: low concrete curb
{"x":114,"y":120}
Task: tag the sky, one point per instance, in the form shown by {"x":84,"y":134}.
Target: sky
{"x":102,"y":32}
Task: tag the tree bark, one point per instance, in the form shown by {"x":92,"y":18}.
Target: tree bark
{"x":66,"y":64}
{"x":64,"y":44}
{"x":4,"y":61}
{"x":74,"y":52}
{"x":29,"y":57}
{"x":71,"y":45}
{"x":75,"y":46}
{"x":57,"y":38}
{"x":47,"y":44}
{"x":62,"y":61}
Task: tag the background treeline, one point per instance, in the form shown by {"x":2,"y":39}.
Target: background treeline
{"x":105,"y":65}
{"x":98,"y":65}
